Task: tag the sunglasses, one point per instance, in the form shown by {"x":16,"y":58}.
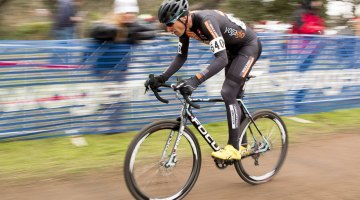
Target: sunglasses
{"x":172,"y":22}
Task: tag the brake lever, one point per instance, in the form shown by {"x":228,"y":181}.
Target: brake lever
{"x":146,"y":84}
{"x":186,"y":97}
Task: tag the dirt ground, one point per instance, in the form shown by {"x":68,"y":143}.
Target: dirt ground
{"x":327,"y":167}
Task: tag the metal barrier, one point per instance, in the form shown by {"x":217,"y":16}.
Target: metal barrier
{"x":61,"y":88}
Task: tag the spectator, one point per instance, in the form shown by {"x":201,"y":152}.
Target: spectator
{"x":124,"y":25}
{"x":126,"y":11}
{"x":356,"y":25}
{"x":110,"y":52}
{"x":66,"y":19}
{"x":112,"y":37}
{"x":306,"y":19}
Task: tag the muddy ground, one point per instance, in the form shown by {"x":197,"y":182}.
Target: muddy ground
{"x":327,"y":167}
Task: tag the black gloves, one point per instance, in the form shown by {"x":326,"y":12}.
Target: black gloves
{"x":187,"y":86}
{"x":155,"y":81}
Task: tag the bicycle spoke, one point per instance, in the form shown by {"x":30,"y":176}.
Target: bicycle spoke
{"x":269,"y":153}
{"x":150,"y":175}
{"x":146,"y":169}
{"x":148,"y":180}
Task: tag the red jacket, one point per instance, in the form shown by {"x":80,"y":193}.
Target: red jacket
{"x":309,"y":23}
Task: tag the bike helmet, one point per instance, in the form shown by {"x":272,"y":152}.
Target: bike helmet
{"x":171,"y":10}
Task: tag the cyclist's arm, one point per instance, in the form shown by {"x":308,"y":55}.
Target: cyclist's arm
{"x":211,"y":29}
{"x":180,"y":58}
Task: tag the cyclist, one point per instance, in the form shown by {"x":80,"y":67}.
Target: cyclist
{"x":235,"y":47}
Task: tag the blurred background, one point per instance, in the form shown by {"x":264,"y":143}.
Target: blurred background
{"x":274,"y":14}
{"x":72,"y":67}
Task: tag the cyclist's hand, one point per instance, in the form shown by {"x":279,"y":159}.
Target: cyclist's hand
{"x":187,"y":86}
{"x":154,"y":82}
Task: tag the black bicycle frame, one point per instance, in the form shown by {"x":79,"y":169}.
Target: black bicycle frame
{"x":197,"y":124}
{"x":201,"y":129}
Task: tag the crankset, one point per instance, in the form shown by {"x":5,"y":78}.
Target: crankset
{"x":222,"y":164}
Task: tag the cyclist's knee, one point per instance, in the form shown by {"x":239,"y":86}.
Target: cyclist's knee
{"x":231,"y":89}
{"x":228,"y":95}
{"x":237,"y":80}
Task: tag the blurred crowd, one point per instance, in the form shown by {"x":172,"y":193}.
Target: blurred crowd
{"x":307,"y":19}
{"x":73,"y":19}
{"x":121,"y":24}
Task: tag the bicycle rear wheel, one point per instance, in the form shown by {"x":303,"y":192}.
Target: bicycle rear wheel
{"x":151,"y":169}
{"x":267,"y":152}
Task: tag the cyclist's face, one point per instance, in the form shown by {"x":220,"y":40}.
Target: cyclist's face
{"x":176,"y":28}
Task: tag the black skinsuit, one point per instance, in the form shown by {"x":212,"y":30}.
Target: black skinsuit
{"x":235,"y":46}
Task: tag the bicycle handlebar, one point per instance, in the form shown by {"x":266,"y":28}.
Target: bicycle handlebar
{"x":173,"y":86}
{"x":186,"y":97}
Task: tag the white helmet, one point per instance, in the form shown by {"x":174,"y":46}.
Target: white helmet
{"x":126,"y":6}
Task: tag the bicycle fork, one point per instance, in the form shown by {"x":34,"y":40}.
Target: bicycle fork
{"x":171,"y":162}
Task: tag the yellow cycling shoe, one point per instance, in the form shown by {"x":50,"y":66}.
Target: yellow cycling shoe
{"x":227,"y":153}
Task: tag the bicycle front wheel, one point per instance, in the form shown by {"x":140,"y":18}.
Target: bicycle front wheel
{"x":267,"y":142}
{"x":153,"y":170}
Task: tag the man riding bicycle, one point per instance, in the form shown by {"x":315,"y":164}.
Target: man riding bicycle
{"x":235,"y":47}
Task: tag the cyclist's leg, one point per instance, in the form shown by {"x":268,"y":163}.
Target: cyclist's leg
{"x":232,"y":86}
{"x":233,"y":111}
{"x":235,"y":78}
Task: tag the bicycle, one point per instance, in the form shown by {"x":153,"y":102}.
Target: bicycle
{"x":163,"y":160}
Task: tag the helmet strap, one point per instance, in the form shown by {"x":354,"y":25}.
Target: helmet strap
{"x":186,"y":22}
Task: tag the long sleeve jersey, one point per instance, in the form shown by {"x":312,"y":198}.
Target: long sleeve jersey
{"x":224,"y":33}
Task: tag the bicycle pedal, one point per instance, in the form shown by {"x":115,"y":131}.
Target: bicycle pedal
{"x":222,"y":164}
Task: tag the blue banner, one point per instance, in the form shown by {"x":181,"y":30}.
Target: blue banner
{"x":60,"y":88}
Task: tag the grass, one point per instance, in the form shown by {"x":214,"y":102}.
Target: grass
{"x":57,"y":157}
{"x":340,"y":121}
